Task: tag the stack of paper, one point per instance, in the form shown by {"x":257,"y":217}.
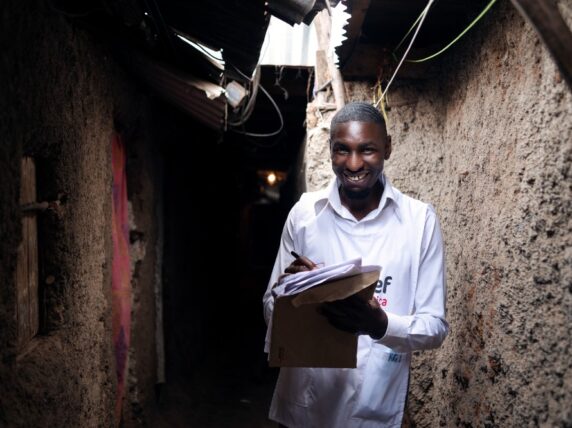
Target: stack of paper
{"x":298,"y":282}
{"x":297,"y":335}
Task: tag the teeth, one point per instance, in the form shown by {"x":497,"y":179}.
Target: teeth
{"x":355,"y":177}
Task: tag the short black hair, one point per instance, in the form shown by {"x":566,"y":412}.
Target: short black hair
{"x":357,"y":111}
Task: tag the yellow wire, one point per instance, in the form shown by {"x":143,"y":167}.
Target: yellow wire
{"x":477,"y":19}
{"x":378,"y":97}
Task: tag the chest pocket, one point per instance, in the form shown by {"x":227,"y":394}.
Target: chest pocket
{"x":384,"y":386}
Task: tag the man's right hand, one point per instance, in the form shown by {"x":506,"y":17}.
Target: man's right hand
{"x":301,"y":264}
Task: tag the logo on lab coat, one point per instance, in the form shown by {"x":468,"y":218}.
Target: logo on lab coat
{"x":381,"y":288}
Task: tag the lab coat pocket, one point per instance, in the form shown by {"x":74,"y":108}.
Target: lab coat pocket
{"x":295,"y":385}
{"x":384,"y":386}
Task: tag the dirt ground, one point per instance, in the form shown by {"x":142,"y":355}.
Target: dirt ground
{"x":216,"y":398}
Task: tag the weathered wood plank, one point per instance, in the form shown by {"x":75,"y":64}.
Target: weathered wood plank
{"x":323,"y":23}
{"x":27,"y":306}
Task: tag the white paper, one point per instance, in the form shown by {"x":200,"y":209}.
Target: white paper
{"x":296,"y":283}
{"x":302,"y":281}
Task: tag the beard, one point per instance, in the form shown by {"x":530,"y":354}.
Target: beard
{"x":357,"y":195}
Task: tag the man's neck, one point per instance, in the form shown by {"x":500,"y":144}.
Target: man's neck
{"x":360,"y":207}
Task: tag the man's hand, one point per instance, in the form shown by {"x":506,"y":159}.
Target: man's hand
{"x":356,"y":316}
{"x":301,"y":264}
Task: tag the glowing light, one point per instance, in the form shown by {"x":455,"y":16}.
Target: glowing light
{"x":271,"y":178}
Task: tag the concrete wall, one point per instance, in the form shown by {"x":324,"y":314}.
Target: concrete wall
{"x":489,"y":144}
{"x":61,"y":96}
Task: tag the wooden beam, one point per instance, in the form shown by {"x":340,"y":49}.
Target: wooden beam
{"x":27,"y":305}
{"x":552,"y":29}
{"x":323,"y":24}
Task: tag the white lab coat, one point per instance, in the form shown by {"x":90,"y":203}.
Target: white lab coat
{"x":403,"y":236}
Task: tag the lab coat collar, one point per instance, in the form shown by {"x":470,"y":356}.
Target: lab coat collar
{"x":331,"y":197}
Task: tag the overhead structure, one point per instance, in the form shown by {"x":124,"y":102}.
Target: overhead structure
{"x":296,"y":11}
{"x":179,"y":48}
{"x":376,"y":28}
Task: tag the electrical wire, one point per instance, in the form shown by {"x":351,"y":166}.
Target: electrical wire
{"x":253,"y":134}
{"x":270,"y":134}
{"x":477,"y":19}
{"x":198,"y":45}
{"x":408,"y":32}
{"x":246,"y":111}
{"x":425,"y":12}
{"x":249,"y":108}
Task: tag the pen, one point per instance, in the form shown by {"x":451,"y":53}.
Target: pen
{"x":305,"y":260}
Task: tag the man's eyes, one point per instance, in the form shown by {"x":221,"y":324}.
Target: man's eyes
{"x":345,"y":150}
{"x":341,"y":150}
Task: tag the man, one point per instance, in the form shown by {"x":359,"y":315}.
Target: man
{"x":360,"y":214}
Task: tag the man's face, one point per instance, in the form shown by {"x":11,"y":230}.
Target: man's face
{"x":358,"y":150}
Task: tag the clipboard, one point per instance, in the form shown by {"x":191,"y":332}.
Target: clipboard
{"x":302,"y":337}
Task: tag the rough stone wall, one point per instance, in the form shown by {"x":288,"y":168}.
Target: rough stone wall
{"x":489,"y":144}
{"x":143,"y":186}
{"x":61,"y":92}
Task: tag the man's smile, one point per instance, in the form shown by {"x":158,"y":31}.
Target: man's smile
{"x":356,"y":177}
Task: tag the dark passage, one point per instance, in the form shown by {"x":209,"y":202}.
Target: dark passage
{"x":222,"y":226}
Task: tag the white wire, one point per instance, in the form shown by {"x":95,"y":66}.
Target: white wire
{"x":247,"y":110}
{"x":425,"y":11}
{"x":271,"y":134}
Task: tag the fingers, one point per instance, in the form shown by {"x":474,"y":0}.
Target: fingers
{"x":342,"y":316}
{"x":337,"y":318}
{"x":295,"y":268}
{"x":348,"y":308}
{"x":301,"y":264}
{"x":305,"y":261}
{"x":356,"y":316}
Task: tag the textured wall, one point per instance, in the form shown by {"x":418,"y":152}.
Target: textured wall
{"x":489,"y":144}
{"x":143,"y":186}
{"x":60,"y":95}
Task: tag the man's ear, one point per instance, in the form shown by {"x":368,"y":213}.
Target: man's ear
{"x":388,"y":147}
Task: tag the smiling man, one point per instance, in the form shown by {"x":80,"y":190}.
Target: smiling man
{"x":360,"y":214}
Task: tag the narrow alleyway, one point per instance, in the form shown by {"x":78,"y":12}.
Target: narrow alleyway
{"x":221,"y":235}
{"x":145,"y":177}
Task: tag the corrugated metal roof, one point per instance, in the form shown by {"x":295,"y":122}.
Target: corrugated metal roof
{"x":296,"y":45}
{"x":201,"y":99}
{"x":236,"y":27}
{"x":174,"y":33}
{"x":289,"y":45}
{"x":296,"y":11}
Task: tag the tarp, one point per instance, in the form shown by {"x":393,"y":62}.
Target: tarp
{"x":121,"y":276}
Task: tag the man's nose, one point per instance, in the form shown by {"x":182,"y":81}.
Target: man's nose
{"x":355,"y":162}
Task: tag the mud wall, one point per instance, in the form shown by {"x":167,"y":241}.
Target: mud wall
{"x":136,"y":121}
{"x":489,"y":144}
{"x":62,"y":97}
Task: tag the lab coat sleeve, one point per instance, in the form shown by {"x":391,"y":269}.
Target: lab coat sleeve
{"x":283,"y":260}
{"x":426,"y":328}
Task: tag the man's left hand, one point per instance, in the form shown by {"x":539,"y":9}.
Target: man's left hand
{"x":356,"y":316}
